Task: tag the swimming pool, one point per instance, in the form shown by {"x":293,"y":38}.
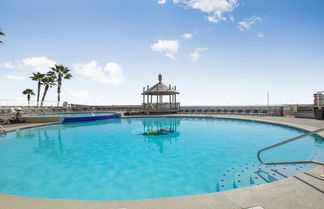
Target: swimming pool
{"x":115,"y":160}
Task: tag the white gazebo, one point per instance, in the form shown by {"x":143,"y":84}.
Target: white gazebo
{"x":154,"y":97}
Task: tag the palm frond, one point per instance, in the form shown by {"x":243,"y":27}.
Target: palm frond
{"x":37,"y":76}
{"x":68,"y":76}
{"x":1,"y":34}
{"x":60,"y":72}
{"x":28,"y":91}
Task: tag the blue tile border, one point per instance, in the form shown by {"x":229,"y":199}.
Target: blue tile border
{"x":90,"y":118}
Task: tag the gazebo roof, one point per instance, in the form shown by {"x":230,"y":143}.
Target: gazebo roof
{"x":160,"y":89}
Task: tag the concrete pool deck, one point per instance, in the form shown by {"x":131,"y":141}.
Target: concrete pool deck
{"x":304,"y":191}
{"x":12,"y":127}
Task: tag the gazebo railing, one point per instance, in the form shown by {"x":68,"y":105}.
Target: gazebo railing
{"x":161,"y":106}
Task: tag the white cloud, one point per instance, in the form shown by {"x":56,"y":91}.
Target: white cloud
{"x":115,"y":73}
{"x":187,"y":36}
{"x":260,"y":35}
{"x":248,"y":22}
{"x":196,"y":54}
{"x":215,"y":9}
{"x":14,"y":77}
{"x":78,"y":94}
{"x":39,"y":64}
{"x":161,"y":1}
{"x":111,"y":74}
{"x":8,"y":65}
{"x":168,"y":47}
{"x":201,"y":49}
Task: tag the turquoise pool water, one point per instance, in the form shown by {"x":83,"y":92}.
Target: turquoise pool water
{"x":70,"y":115}
{"x":112,"y":160}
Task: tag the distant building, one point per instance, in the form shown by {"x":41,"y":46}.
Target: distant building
{"x":319,"y":105}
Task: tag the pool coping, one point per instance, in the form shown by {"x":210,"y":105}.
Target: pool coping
{"x":20,"y":126}
{"x":304,"y":190}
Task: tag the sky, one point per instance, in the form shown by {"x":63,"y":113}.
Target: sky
{"x":217,"y":52}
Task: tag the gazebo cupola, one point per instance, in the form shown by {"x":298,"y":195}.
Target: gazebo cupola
{"x":154,"y":100}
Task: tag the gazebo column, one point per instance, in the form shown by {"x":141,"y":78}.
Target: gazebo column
{"x":148,"y":97}
{"x":175,"y":98}
{"x":143,"y":95}
{"x":170,"y":101}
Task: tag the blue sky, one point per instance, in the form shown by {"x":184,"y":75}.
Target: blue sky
{"x":234,"y":51}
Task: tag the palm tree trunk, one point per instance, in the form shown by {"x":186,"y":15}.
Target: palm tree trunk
{"x":38,"y":92}
{"x":59,"y":84}
{"x":44,"y":95}
{"x":28,"y":98}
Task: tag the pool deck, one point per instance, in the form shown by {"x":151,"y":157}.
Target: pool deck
{"x":12,"y":127}
{"x":304,"y":191}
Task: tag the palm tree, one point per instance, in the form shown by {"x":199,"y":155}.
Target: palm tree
{"x":1,"y":34}
{"x":60,"y":73}
{"x":38,"y":77}
{"x":48,"y":81}
{"x":28,"y":92}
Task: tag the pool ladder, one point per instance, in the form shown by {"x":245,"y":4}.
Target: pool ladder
{"x":292,"y":162}
{"x":2,"y":130}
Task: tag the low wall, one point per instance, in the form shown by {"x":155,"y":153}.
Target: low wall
{"x":42,"y":119}
{"x":105,"y":108}
{"x":274,"y":110}
{"x":267,"y":110}
{"x":91,"y":118}
{"x":305,"y":114}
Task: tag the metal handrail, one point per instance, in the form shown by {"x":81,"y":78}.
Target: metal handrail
{"x":3,"y":129}
{"x":285,"y":142}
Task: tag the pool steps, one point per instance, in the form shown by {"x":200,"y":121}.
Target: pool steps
{"x":254,"y":173}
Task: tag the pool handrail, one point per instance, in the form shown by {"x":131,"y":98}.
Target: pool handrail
{"x":2,"y":129}
{"x":287,"y":141}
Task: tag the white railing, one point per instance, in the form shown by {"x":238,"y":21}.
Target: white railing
{"x":161,"y":106}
